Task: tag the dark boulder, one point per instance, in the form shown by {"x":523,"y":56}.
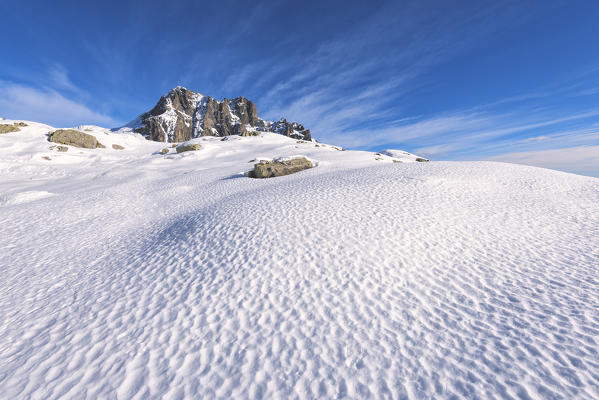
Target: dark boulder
{"x":271,"y":169}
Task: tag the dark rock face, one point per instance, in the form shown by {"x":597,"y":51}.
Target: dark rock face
{"x":280,"y":168}
{"x":291,"y":129}
{"x":183,"y":114}
{"x":171,"y":118}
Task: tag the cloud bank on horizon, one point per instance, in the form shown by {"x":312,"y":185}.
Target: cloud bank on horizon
{"x":510,"y":81}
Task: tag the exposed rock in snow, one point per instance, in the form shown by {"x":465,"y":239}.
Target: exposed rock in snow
{"x":182,"y":114}
{"x":188,"y":147}
{"x":75,"y":138}
{"x":271,"y":169}
{"x":8,"y":128}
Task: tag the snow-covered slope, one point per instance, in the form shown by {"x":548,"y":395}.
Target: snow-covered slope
{"x":130,"y":274}
{"x":402,"y":155}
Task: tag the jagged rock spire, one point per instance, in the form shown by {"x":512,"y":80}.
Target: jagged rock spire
{"x":182,"y":114}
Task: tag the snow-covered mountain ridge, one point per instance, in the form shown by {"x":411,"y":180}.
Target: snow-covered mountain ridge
{"x":130,"y":274}
{"x":29,"y":149}
{"x":182,"y":114}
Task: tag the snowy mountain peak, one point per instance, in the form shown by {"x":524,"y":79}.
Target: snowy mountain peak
{"x":183,"y":114}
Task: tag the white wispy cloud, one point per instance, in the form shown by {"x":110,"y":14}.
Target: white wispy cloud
{"x":46,"y":105}
{"x":527,"y":137}
{"x":358,"y":79}
{"x":580,"y":160}
{"x":558,"y":137}
{"x":406,"y":131}
{"x":59,"y":79}
{"x":464,"y":137}
{"x":350,"y":94}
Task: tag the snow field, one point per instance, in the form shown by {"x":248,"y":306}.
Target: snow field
{"x":143,"y":276}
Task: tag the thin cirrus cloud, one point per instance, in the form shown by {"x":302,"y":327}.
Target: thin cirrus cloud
{"x":59,"y":78}
{"x":488,"y":137}
{"x":585,"y":137}
{"x":352,"y":97}
{"x":355,"y":84}
{"x":483,"y":134}
{"x":46,"y":105}
{"x":531,"y":121}
{"x":580,"y":159}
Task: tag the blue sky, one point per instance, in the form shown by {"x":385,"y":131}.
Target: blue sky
{"x":464,"y":80}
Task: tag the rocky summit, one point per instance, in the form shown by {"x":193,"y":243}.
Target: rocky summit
{"x":183,"y":114}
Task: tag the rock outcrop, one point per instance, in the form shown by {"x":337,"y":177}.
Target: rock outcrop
{"x":271,"y":169}
{"x":75,"y":138}
{"x":188,"y":147}
{"x":6,"y":128}
{"x":182,"y":115}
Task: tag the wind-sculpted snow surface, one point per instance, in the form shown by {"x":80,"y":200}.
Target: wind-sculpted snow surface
{"x":445,"y":280}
